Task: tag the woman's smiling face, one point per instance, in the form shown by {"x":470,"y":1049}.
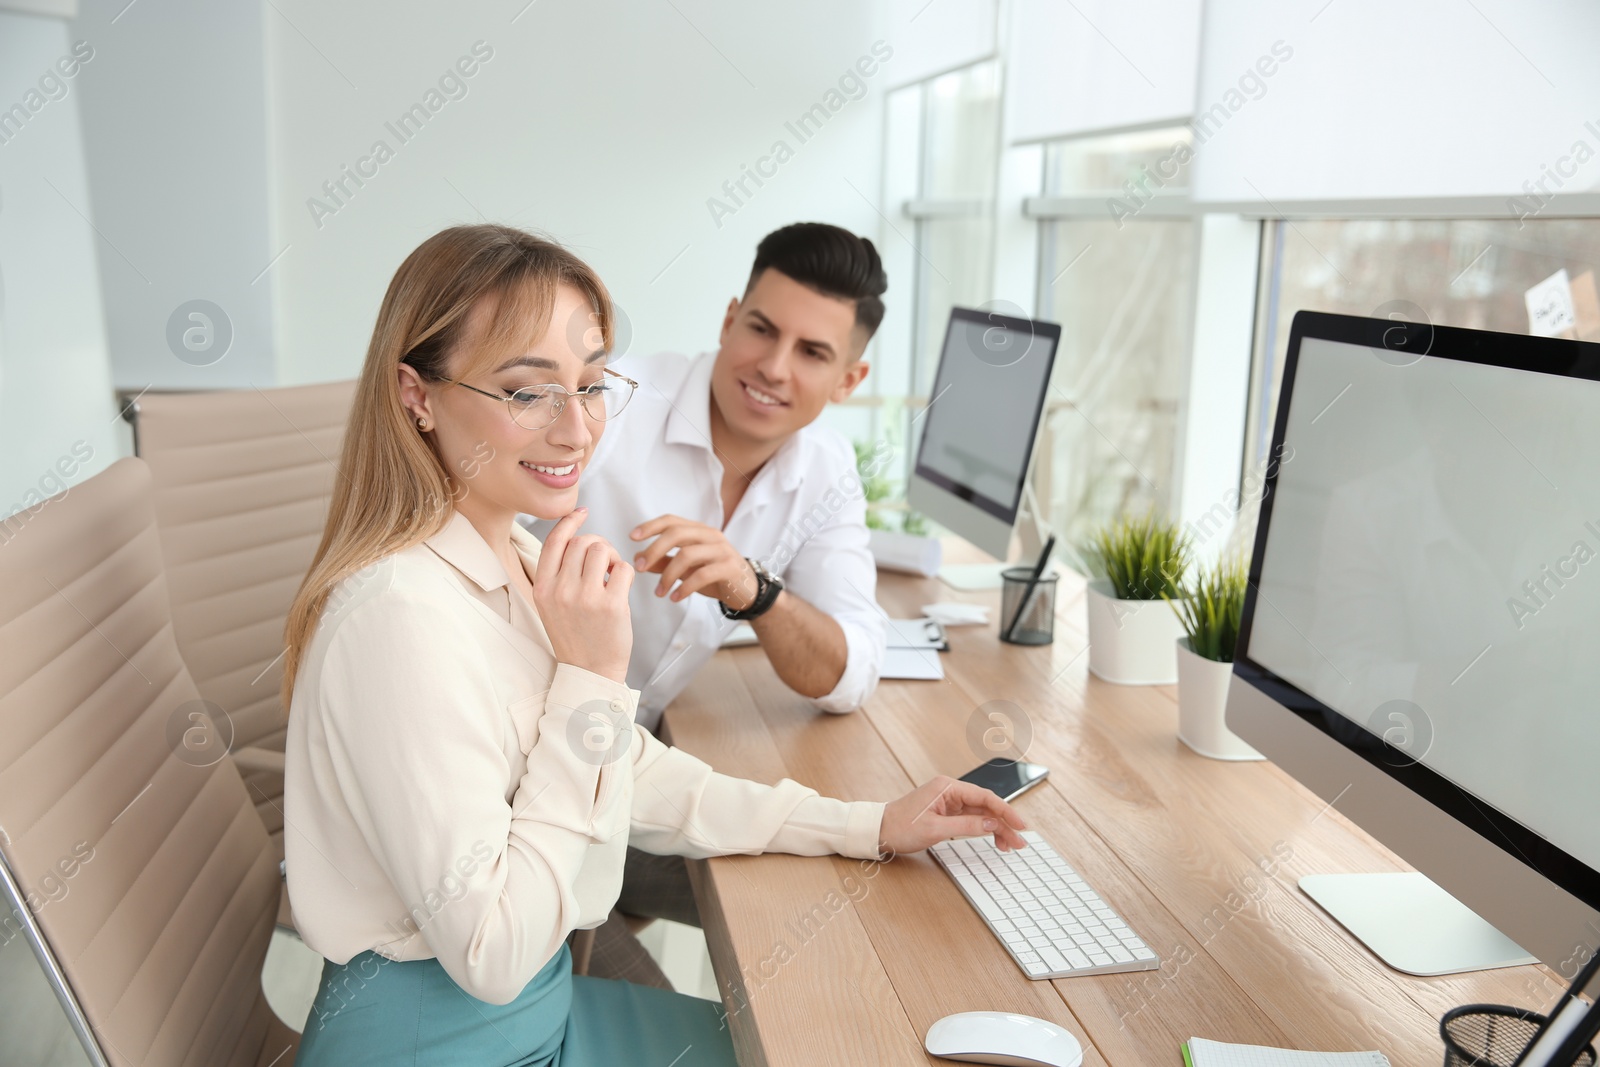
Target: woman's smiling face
{"x":495,"y":465}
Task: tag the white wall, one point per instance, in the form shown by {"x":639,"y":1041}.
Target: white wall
{"x":56,"y":411}
{"x":174,"y":129}
{"x":607,"y":124}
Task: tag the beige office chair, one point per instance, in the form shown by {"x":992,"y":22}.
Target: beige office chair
{"x":133,"y":860}
{"x":242,"y":482}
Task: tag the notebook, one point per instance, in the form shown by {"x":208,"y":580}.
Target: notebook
{"x":917,"y":633}
{"x":917,"y":664}
{"x":1202,"y":1053}
{"x":912,"y":663}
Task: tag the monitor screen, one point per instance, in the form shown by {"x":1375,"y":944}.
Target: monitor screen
{"x":1427,"y":578}
{"x":987,"y":398}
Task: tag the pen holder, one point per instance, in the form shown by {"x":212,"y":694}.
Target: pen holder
{"x":1038,"y":623}
{"x":1491,"y":1035}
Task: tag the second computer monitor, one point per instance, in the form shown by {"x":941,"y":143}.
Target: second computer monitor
{"x":978,"y":431}
{"x":1418,"y":640}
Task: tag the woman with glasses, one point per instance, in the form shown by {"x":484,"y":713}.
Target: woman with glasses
{"x":463,"y":772}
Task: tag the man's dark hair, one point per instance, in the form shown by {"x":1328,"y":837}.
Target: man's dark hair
{"x":833,"y":261}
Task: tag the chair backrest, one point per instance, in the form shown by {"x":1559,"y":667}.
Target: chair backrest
{"x":242,"y":481}
{"x":147,"y":885}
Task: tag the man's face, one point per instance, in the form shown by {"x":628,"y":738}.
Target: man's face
{"x":787,"y":351}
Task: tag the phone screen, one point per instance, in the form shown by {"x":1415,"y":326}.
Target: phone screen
{"x":1007,"y":778}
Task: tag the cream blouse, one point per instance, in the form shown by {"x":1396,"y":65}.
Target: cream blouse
{"x":452,"y":791}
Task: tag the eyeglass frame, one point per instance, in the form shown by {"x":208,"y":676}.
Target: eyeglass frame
{"x":560,"y":405}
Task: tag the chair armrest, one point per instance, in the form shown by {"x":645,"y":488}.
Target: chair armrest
{"x":253,"y":758}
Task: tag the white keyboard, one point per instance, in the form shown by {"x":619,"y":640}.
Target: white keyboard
{"x":1051,"y":921}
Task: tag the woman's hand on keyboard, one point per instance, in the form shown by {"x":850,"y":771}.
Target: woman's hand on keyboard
{"x":943,"y":808}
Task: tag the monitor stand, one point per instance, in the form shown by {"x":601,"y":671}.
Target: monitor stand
{"x":1031,"y":536}
{"x":972,"y":577}
{"x":1411,"y":924}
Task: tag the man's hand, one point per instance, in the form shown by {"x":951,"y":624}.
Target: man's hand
{"x":698,"y":559}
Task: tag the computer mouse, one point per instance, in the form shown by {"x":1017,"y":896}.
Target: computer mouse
{"x":1003,"y":1037}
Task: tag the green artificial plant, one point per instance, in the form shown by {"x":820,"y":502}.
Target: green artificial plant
{"x":1143,"y":558}
{"x":1211,"y":609}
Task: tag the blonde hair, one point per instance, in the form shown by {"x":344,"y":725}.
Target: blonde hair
{"x":393,"y":490}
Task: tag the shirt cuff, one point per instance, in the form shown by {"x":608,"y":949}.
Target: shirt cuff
{"x":863,"y":661}
{"x":572,"y":687}
{"x":863,"y":830}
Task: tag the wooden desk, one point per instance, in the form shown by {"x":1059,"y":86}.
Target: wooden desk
{"x":837,"y":961}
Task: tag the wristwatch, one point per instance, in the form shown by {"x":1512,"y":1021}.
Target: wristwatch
{"x":768,"y":586}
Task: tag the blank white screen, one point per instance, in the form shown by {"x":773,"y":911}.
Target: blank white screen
{"x":985,"y":402}
{"x":1435,"y":539}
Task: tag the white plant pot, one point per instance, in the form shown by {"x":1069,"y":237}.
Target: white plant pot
{"x":905,"y":553}
{"x":1131,"y":642}
{"x":1202,"y":704}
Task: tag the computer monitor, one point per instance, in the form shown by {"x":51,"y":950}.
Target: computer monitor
{"x":978,"y":431}
{"x":1420,"y":643}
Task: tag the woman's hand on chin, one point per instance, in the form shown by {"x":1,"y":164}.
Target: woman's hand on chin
{"x":581,"y":590}
{"x":943,"y":808}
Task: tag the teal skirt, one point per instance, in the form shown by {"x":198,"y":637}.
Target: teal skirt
{"x":374,"y":1010}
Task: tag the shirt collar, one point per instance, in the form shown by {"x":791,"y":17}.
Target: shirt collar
{"x":788,"y":463}
{"x":460,"y":545}
{"x":690,"y":421}
{"x":690,"y":424}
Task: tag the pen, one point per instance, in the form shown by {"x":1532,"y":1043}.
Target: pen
{"x":1033,"y":584}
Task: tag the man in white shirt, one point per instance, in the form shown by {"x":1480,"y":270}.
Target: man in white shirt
{"x":720,"y":480}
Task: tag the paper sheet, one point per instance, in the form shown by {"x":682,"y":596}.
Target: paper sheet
{"x":1205,"y":1053}
{"x":911,"y":663}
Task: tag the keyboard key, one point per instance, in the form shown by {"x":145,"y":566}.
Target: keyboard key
{"x":1121,"y":955}
{"x":1056,"y":960}
{"x":980,"y":900}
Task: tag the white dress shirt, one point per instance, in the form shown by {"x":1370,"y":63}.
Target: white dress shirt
{"x":449,"y":790}
{"x":803,"y":515}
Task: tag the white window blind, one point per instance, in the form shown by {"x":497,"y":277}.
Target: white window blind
{"x":1084,"y":66}
{"x":1427,"y":107}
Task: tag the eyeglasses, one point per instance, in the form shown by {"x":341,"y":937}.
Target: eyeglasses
{"x":539,"y":406}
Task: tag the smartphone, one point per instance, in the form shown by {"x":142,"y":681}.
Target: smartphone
{"x":1007,"y":778}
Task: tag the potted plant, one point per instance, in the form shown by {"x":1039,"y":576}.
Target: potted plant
{"x":1210,"y":613}
{"x":1133,"y":625}
{"x":909,"y":548}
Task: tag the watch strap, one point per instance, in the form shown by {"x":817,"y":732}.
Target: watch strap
{"x":768,"y":586}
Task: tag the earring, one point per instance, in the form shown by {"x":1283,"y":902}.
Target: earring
{"x":422,"y":423}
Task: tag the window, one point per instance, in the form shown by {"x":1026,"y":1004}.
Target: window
{"x":1117,"y":259}
{"x":941,"y":166}
{"x":1450,"y":272}
{"x":954,"y":209}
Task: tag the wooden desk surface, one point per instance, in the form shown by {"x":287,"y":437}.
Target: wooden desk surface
{"x":838,"y":961}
